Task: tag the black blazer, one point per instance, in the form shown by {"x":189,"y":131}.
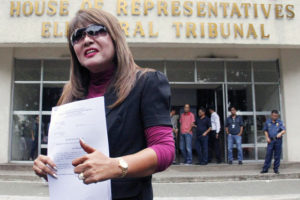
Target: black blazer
{"x":148,"y":104}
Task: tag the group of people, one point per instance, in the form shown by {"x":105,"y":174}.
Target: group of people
{"x":207,"y":131}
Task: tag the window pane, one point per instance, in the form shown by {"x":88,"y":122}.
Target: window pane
{"x":45,"y":128}
{"x":260,"y":121}
{"x":266,"y":71}
{"x":181,"y":71}
{"x":157,"y":65}
{"x":27,"y":70}
{"x":56,"y":70}
{"x":51,"y":95}
{"x":24,"y":137}
{"x":248,"y":134}
{"x":210,"y":71}
{"x":26,"y":97}
{"x":249,"y":153}
{"x":238,"y":71}
{"x":240,"y":96}
{"x":267,"y":97}
{"x":261,"y":153}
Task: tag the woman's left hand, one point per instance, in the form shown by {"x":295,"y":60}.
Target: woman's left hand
{"x":95,"y":166}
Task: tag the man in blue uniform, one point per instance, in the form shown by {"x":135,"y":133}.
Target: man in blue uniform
{"x":203,"y":125}
{"x":274,"y":130}
{"x":234,"y":130}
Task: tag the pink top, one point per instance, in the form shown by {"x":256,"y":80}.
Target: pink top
{"x":159,"y":138}
{"x":99,"y":82}
{"x":186,"y":120}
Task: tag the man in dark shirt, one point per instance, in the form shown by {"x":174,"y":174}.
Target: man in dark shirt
{"x":203,"y":125}
{"x":234,"y":130}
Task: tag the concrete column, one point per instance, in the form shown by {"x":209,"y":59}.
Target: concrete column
{"x":290,"y":77}
{"x":6,"y":67}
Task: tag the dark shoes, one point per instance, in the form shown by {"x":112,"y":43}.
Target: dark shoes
{"x":264,"y":171}
{"x":240,"y":162}
{"x":201,"y":163}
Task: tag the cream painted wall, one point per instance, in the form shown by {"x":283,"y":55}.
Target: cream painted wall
{"x":187,"y":53}
{"x":290,"y":71}
{"x":31,"y":23}
{"x":152,"y":52}
{"x":6,"y":57}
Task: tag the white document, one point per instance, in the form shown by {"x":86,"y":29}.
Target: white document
{"x":82,"y":119}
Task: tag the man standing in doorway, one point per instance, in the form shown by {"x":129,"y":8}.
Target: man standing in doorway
{"x":234,"y":130}
{"x":203,"y":125}
{"x":187,"y":122}
{"x":274,"y":130}
{"x":214,"y":135}
{"x":174,"y":120}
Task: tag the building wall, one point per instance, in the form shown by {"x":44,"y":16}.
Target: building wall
{"x":174,"y":25}
{"x":171,"y":52}
{"x":6,"y":63}
{"x":192,"y":52}
{"x":290,"y":71}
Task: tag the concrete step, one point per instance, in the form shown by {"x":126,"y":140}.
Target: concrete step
{"x":16,"y":166}
{"x":209,"y":167}
{"x":224,"y":172}
{"x":233,"y":167}
{"x":242,"y":190}
{"x":180,"y":173}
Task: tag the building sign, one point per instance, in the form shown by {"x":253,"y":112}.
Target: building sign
{"x":159,"y":21}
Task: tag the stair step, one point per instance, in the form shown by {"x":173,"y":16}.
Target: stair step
{"x":179,"y":173}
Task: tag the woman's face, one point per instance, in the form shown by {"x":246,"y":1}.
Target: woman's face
{"x":96,"y":53}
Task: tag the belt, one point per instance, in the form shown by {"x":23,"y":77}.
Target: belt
{"x":274,"y":138}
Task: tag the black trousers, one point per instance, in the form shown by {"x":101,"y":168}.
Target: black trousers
{"x":214,"y":146}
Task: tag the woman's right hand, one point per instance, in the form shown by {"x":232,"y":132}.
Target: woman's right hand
{"x":43,"y":165}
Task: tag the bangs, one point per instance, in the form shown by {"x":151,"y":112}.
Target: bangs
{"x":81,"y":20}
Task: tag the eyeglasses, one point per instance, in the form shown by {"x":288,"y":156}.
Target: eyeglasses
{"x":92,"y":30}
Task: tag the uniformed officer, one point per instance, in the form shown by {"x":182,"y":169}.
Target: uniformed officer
{"x":274,"y":130}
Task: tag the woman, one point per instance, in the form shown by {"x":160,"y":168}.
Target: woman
{"x":137,"y":105}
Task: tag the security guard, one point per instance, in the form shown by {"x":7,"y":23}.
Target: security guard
{"x":274,"y":130}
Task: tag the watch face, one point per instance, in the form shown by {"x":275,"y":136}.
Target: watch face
{"x":123,"y":164}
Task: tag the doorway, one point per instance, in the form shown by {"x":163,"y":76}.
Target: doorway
{"x":198,"y":96}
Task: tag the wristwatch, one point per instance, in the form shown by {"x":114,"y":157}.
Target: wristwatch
{"x":123,"y":166}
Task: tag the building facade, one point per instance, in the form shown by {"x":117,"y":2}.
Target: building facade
{"x":214,"y":53}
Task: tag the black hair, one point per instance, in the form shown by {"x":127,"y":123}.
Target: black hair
{"x":211,"y":108}
{"x":232,"y":107}
{"x":275,"y":112}
{"x":202,"y":109}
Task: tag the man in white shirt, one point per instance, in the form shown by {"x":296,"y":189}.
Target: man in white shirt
{"x":214,"y":142}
